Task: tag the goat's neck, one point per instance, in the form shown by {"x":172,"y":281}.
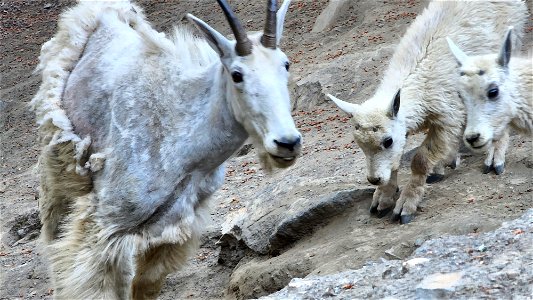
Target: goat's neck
{"x":219,"y":127}
{"x":519,"y":84}
{"x":523,"y":117}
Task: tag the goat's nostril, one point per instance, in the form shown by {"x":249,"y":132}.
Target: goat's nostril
{"x":288,"y":144}
{"x":471,"y":139}
{"x":374,"y":180}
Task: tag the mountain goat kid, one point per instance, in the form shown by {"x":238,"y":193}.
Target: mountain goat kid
{"x":421,"y":73}
{"x":136,"y":127}
{"x":497,"y":93}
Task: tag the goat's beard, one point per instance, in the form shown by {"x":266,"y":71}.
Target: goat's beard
{"x":265,"y":161}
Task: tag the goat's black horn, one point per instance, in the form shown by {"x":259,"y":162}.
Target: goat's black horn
{"x":244,"y":45}
{"x":269,"y":33}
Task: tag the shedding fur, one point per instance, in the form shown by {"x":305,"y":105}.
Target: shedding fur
{"x":423,"y":70}
{"x":135,"y":128}
{"x":497,"y":93}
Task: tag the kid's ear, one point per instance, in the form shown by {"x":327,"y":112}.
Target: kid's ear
{"x":395,"y":107}
{"x":505,"y":53}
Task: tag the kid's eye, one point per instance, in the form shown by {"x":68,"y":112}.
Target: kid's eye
{"x":387,"y":142}
{"x":493,"y":93}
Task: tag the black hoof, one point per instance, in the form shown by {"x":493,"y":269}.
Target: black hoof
{"x":395,"y":217}
{"x":499,"y":169}
{"x":405,"y":219}
{"x":373,"y":210}
{"x":453,"y":164}
{"x":486,"y":169}
{"x":383,"y":212}
{"x":432,"y":178}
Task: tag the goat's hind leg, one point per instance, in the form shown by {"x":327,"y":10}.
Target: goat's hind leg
{"x":452,"y":160}
{"x":155,"y":264}
{"x":383,"y":198}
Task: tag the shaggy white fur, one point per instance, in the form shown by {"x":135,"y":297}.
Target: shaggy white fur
{"x":135,"y":129}
{"x":422,"y":74}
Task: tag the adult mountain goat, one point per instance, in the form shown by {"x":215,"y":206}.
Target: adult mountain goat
{"x":136,"y":128}
{"x":421,"y":74}
{"x":497,"y":92}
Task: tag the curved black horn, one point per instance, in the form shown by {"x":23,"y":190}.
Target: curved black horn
{"x":244,"y":45}
{"x":269,"y":34}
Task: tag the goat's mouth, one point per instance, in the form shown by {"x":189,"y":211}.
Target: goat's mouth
{"x":480,"y":147}
{"x":283,"y":161}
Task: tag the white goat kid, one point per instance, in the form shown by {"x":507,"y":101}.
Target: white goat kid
{"x":424,"y":71}
{"x":497,"y":93}
{"x":136,"y":128}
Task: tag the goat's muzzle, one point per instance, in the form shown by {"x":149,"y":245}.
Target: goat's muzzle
{"x":287,"y":150}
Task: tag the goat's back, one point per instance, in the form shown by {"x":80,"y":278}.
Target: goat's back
{"x":422,"y":54}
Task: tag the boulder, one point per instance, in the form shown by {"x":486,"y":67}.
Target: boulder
{"x":330,"y":14}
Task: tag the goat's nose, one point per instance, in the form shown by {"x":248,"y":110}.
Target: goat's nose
{"x":472,"y":138}
{"x":373,"y":180}
{"x":288,"y":143}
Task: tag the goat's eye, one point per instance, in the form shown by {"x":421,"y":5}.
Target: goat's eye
{"x":462,"y":73}
{"x":236,"y":76}
{"x":481,"y":72}
{"x":357,"y":126}
{"x":493,"y":93}
{"x":287,"y":65}
{"x":387,"y":142}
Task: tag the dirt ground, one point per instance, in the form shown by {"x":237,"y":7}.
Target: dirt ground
{"x":348,"y":60}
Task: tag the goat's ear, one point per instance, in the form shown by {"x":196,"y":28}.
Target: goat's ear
{"x":217,"y":41}
{"x":280,"y":18}
{"x":505,"y":52}
{"x":459,"y":55}
{"x":347,"y":107}
{"x":395,"y":106}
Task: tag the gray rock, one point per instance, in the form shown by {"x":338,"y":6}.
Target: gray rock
{"x":306,"y":95}
{"x":271,"y":225}
{"x":26,"y":225}
{"x":330,"y":14}
{"x":438,"y":285}
{"x":495,"y":264}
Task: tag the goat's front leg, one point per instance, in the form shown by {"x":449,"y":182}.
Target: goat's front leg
{"x":383,"y":198}
{"x":87,"y":261}
{"x":436,"y":147}
{"x":155,"y":264}
{"x":495,"y":159}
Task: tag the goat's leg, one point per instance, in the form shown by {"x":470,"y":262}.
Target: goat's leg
{"x":487,"y":164}
{"x":87,"y":262}
{"x":59,"y":185}
{"x":383,"y":198}
{"x":500,"y":148}
{"x":452,"y":160}
{"x":436,"y":147}
{"x":155,"y":264}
